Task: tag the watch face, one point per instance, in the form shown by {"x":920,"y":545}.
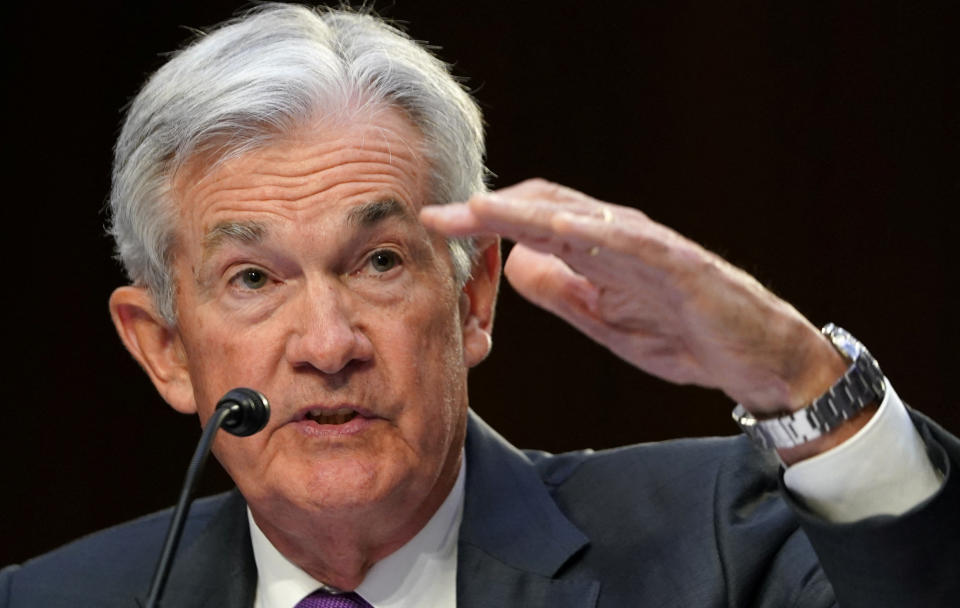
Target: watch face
{"x":843,"y":341}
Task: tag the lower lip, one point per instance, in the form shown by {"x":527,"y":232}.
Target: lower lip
{"x":352,"y":427}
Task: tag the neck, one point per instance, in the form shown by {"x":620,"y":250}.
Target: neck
{"x":338,"y":549}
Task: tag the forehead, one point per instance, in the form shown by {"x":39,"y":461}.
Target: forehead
{"x":325,"y":167}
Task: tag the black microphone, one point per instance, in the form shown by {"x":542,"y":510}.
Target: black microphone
{"x":249,"y":411}
{"x":241,"y":412}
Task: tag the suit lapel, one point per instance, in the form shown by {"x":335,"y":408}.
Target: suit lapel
{"x":217,"y":569}
{"x":513,"y":539}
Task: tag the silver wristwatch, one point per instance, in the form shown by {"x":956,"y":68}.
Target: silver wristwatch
{"x":861,"y":385}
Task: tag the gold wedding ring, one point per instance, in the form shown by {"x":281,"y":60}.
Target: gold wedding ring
{"x":607,"y":217}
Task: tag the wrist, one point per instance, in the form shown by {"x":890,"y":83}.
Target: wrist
{"x":828,"y":419}
{"x":800,"y":372}
{"x":820,"y":369}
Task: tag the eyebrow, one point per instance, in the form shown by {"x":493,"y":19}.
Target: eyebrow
{"x":370,"y":214}
{"x":240,"y":232}
{"x":252,"y":232}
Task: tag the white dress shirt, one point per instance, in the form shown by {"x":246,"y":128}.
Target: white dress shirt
{"x":883,"y":469}
{"x":420,"y":574}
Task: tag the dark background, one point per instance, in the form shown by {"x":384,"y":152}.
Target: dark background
{"x":813,"y":145}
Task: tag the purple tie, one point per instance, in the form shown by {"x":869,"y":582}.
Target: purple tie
{"x":322,"y":599}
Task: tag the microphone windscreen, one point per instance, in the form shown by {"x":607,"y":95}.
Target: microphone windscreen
{"x":249,"y":411}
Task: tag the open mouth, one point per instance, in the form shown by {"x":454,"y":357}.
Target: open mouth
{"x":334,"y":417}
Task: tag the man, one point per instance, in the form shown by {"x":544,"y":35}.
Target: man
{"x":278,"y":203}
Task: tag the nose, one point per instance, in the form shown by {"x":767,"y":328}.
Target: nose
{"x":326,"y":336}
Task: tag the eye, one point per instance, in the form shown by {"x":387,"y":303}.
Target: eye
{"x":383,"y":260}
{"x":252,"y":278}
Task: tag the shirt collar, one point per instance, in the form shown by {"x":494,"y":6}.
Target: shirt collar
{"x":420,"y":574}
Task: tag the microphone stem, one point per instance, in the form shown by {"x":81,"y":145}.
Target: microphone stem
{"x":183,"y":506}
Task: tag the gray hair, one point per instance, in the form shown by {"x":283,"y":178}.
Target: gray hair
{"x":258,"y":77}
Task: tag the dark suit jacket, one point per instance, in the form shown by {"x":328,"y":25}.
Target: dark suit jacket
{"x":688,"y":523}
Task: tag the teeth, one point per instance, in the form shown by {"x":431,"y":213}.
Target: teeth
{"x":339,"y":416}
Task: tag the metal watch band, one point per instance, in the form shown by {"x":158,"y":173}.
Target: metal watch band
{"x":861,"y":385}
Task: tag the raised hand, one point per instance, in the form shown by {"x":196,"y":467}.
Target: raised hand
{"x":653,"y":297}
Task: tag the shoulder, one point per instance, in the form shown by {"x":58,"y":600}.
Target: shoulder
{"x":687,"y":467}
{"x":669,"y":492}
{"x":706,"y":514}
{"x":661,"y":493}
{"x":120,"y":559}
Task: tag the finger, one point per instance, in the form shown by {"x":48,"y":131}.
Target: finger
{"x":545,"y":230}
{"x":628,"y":231}
{"x":542,"y":189}
{"x":452,"y":219}
{"x":549,"y":283}
{"x":542,"y":215}
{"x":456,"y":219}
{"x":490,"y":214}
{"x":525,"y":219}
{"x":516,"y":219}
{"x":540,"y":195}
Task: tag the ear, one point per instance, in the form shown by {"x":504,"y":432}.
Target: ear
{"x":478,"y":299}
{"x":155,"y":345}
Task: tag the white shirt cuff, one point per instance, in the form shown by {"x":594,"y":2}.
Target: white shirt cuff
{"x":882,"y":470}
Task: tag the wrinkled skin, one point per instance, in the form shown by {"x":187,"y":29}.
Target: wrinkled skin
{"x":302,"y":271}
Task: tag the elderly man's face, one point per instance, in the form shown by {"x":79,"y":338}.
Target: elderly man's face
{"x":303,"y":271}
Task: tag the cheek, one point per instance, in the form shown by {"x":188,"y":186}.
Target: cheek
{"x":221,"y":360}
{"x":422,"y":348}
{"x":437,"y":344}
{"x":441,"y":372}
